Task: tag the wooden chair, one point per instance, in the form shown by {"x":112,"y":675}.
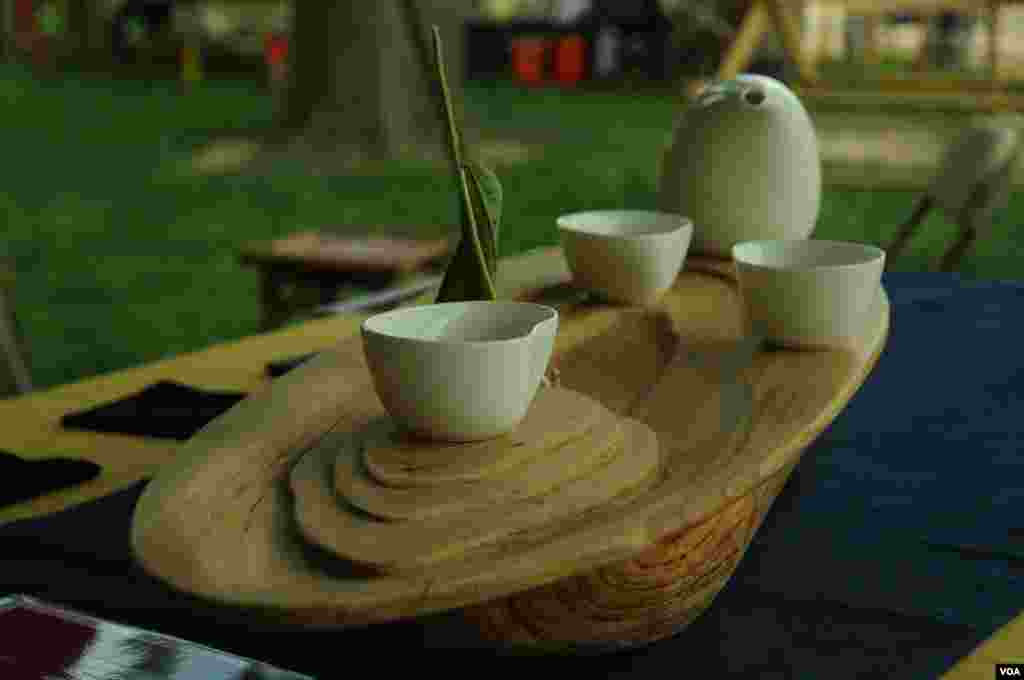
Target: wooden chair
{"x":973,"y":182}
{"x":15,"y":376}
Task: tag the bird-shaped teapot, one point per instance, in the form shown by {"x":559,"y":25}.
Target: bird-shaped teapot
{"x":743,"y":165}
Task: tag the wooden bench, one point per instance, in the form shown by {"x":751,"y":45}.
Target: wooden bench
{"x":308,"y":270}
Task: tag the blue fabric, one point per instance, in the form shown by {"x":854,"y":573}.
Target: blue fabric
{"x":895,"y":548}
{"x":912,"y":500}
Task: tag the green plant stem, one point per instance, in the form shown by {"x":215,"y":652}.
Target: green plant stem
{"x":460,"y":166}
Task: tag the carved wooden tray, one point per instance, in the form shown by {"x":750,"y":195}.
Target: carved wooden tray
{"x":589,"y":474}
{"x":230,"y":519}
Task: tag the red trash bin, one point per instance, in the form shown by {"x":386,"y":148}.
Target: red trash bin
{"x":275,"y":53}
{"x":570,"y":60}
{"x":275,"y":49}
{"x":529,"y":60}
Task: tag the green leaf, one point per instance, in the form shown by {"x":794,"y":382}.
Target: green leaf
{"x":485,"y":197}
{"x":466,"y":278}
{"x":473,"y":270}
{"x":487,"y":203}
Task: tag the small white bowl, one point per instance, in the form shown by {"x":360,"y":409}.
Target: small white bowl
{"x":627,"y":256}
{"x":808,"y":294}
{"x":459,"y":371}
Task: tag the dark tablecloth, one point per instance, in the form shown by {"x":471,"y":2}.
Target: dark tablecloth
{"x":893,"y":550}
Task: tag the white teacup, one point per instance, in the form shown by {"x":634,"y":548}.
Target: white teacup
{"x":459,"y":371}
{"x":627,"y":256}
{"x":808,"y":294}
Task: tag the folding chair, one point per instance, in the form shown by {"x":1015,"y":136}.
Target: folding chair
{"x":973,"y":182}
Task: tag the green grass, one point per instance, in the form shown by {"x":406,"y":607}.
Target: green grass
{"x":120,"y":261}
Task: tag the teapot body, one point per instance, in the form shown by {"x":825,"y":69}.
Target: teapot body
{"x":743,"y":165}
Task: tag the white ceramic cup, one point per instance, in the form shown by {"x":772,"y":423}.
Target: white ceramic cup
{"x":459,"y":371}
{"x":628,"y":256}
{"x":808,"y":294}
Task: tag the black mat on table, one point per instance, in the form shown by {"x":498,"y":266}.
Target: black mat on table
{"x":22,"y":480}
{"x":165,"y":409}
{"x":276,"y":369}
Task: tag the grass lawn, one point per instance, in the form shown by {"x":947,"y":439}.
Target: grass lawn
{"x":121,"y":261}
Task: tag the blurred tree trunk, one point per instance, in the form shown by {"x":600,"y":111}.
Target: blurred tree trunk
{"x":362,"y":76}
{"x":86,"y":29}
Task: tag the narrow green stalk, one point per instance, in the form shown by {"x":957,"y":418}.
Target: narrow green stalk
{"x":456,"y":149}
{"x":453,"y":129}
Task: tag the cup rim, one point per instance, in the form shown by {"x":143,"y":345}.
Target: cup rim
{"x":863,"y":254}
{"x":680,"y":223}
{"x":549,"y":313}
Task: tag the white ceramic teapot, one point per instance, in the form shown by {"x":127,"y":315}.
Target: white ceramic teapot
{"x":743,"y":165}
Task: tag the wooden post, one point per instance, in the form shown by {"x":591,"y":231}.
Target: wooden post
{"x":759,"y":17}
{"x":872,"y":53}
{"x":818,"y":47}
{"x":742,"y":49}
{"x":828,"y":33}
{"x":992,"y":12}
{"x":191,"y":63}
{"x":790,"y":30}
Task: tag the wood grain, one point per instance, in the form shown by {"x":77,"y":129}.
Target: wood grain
{"x":536,"y":476}
{"x":220,"y":521}
{"x":650,"y":597}
{"x":555,"y":417}
{"x":402,"y":546}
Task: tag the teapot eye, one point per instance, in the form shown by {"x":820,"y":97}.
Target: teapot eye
{"x":754,"y":97}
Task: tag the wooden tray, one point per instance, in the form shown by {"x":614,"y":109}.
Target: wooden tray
{"x":444,"y":482}
{"x":483,"y":534}
{"x":220,"y":522}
